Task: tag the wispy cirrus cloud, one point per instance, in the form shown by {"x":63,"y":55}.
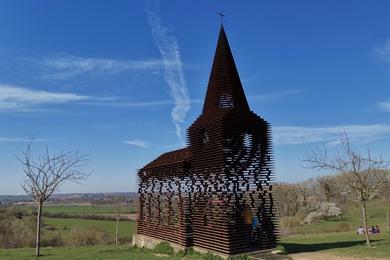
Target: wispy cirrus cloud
{"x":174,"y":75}
{"x":277,"y":94}
{"x":383,"y":52}
{"x":69,"y":66}
{"x":383,"y":55}
{"x":384,"y":105}
{"x":19,"y":140}
{"x":16,"y":97}
{"x":138,"y":142}
{"x":294,"y":135}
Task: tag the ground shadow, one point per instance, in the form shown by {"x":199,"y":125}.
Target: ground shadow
{"x":292,"y":248}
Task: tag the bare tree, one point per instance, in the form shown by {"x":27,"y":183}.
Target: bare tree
{"x":363,"y":173}
{"x":386,"y":200}
{"x":118,"y":215}
{"x":44,"y":175}
{"x":290,"y":198}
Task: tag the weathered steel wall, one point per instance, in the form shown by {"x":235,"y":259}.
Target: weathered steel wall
{"x":209,"y":194}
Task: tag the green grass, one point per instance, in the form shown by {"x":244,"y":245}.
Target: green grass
{"x":315,"y":237}
{"x":343,"y":243}
{"x":324,"y":236}
{"x":80,"y":209}
{"x":64,"y":225}
{"x":350,"y":220}
{"x":90,"y":209}
{"x":93,"y":252}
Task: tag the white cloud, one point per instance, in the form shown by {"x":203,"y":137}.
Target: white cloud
{"x":131,"y":103}
{"x":68,"y":66}
{"x":276,"y":95}
{"x":290,"y":135}
{"x":383,"y":52}
{"x":383,"y":55}
{"x":174,"y":75}
{"x":385,"y":105}
{"x":19,"y":140}
{"x":138,"y":142}
{"x":15,"y":97}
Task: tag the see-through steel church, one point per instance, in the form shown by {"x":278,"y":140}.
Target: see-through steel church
{"x":217,"y":193}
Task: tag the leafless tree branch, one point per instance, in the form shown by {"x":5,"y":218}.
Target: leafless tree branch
{"x":47,"y":173}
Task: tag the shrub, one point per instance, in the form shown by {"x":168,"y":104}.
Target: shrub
{"x":287,"y":224}
{"x":211,"y":256}
{"x":181,"y":253}
{"x":53,"y":240}
{"x":281,"y":248}
{"x":192,"y":252}
{"x":164,"y":248}
{"x":313,"y":217}
{"x":15,"y":232}
{"x":325,"y":210}
{"x":124,"y":240}
{"x":88,"y":236}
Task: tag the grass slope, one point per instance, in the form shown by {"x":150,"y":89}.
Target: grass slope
{"x":93,"y":252}
{"x":340,"y":243}
{"x":80,"y":209}
{"x":126,"y":228}
{"x":339,"y":236}
{"x":350,"y":220}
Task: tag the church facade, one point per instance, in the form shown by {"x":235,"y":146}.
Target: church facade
{"x":216,"y":194}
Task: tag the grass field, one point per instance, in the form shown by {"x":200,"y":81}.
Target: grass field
{"x":80,"y":209}
{"x":339,"y":235}
{"x":95,"y":253}
{"x":341,"y":243}
{"x":350,"y":220}
{"x":336,"y":236}
{"x":65,"y":225}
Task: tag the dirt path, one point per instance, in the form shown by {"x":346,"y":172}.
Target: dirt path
{"x":327,"y":256}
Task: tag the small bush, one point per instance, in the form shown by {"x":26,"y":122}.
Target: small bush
{"x":287,"y":224}
{"x":326,"y":210}
{"x":181,"y":253}
{"x":281,"y":248}
{"x":88,"y":236}
{"x":211,"y":256}
{"x":53,"y":240}
{"x":192,"y":252}
{"x":313,"y":217}
{"x":164,"y":248}
{"x":125,"y":240}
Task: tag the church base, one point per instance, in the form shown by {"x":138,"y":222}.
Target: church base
{"x":144,"y":241}
{"x":151,"y":242}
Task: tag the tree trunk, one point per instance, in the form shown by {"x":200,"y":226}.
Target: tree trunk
{"x":38,"y":239}
{"x":117,"y":231}
{"x":365,"y":223}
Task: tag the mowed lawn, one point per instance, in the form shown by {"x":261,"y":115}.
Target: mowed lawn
{"x":82,"y":209}
{"x":65,"y":225}
{"x":339,"y":243}
{"x":350,"y":220}
{"x":92,"y":252}
{"x":89,"y":209}
{"x":339,"y":236}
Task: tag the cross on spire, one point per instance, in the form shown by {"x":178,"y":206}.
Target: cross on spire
{"x":222,"y":15}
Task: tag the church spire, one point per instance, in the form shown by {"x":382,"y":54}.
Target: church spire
{"x":224,"y":89}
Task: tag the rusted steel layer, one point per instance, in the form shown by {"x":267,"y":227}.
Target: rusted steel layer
{"x":209,"y":194}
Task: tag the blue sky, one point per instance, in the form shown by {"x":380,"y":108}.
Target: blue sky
{"x":122,"y":80}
